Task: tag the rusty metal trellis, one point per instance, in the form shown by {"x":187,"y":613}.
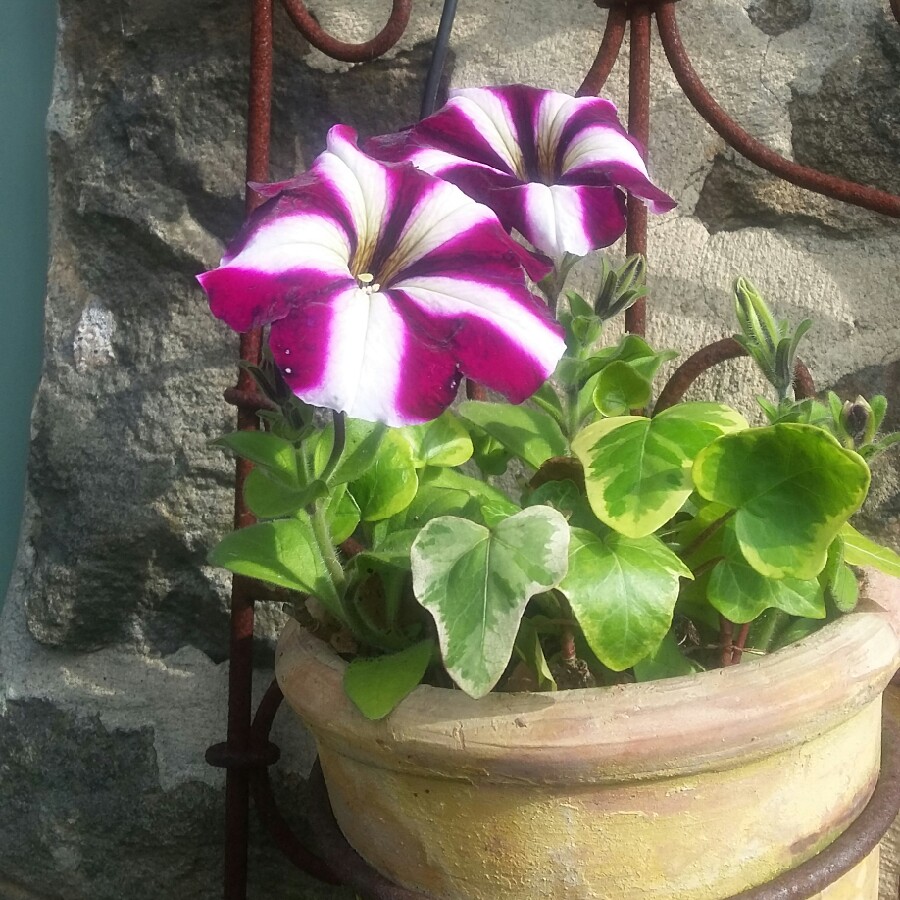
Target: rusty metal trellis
{"x":247,"y":753}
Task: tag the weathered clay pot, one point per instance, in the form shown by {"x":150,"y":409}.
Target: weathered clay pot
{"x":694,"y":787}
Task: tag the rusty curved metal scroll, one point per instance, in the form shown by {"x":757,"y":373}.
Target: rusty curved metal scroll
{"x":343,"y":51}
{"x":748,"y":146}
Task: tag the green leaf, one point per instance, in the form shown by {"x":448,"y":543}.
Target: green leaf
{"x":341,"y":513}
{"x":619,"y":389}
{"x":638,"y":470}
{"x":284,"y":553}
{"x":361,"y":445}
{"x":566,"y":497}
{"x":271,"y":499}
{"x":861,"y":551}
{"x":443,"y":441}
{"x":741,"y":593}
{"x":476,"y":582}
{"x":793,"y":487}
{"x":389,"y":481}
{"x":548,"y":400}
{"x":530,"y":434}
{"x":622,"y":591}
{"x":377,"y":685}
{"x":666,"y":662}
{"x":275,"y":454}
{"x":528,"y":648}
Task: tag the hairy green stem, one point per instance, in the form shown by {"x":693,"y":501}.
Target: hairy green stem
{"x":337,"y":448}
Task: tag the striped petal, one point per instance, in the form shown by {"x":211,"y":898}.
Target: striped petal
{"x":383,"y":286}
{"x":540,"y":159}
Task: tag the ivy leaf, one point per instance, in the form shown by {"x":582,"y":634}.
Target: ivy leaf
{"x":283,"y":552}
{"x":443,"y":441}
{"x":793,"y":488}
{"x":275,"y":454}
{"x":667,"y":661}
{"x":638,"y":470}
{"x":622,"y":591}
{"x":376,"y":685}
{"x":476,"y":581}
{"x":861,"y":551}
{"x":620,"y":388}
{"x":530,"y":434}
{"x":389,"y":481}
{"x":741,"y":593}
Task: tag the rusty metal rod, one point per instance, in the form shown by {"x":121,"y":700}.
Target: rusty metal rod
{"x":607,"y":53}
{"x":264,"y":799}
{"x":365,"y":51}
{"x":240,"y":669}
{"x":712,"y":355}
{"x":802,"y":176}
{"x":639,"y":128}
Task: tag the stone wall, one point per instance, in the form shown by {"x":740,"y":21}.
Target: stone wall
{"x":113,"y":638}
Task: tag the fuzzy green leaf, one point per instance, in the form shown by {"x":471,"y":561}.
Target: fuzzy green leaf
{"x":275,"y":454}
{"x":389,"y":482}
{"x":442,"y":442}
{"x":476,"y":582}
{"x":861,"y":551}
{"x":271,"y":499}
{"x":284,"y":553}
{"x":530,"y":434}
{"x":376,"y":685}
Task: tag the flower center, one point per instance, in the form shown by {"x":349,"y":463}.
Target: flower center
{"x":367,"y":283}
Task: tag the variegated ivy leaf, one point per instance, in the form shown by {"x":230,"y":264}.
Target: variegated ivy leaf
{"x":792,"y":486}
{"x":622,"y":591}
{"x":741,"y":593}
{"x":475,"y":582}
{"x":860,"y":551}
{"x":442,"y":442}
{"x":638,"y":470}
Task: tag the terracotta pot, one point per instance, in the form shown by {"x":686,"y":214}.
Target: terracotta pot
{"x":695,"y":787}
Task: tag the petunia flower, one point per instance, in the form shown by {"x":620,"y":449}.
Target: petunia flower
{"x":552,"y":166}
{"x":384,"y":286}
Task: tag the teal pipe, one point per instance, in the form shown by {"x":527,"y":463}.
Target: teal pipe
{"x":27,"y":42}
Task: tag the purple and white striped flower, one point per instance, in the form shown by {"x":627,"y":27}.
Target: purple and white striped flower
{"x":384,"y":286}
{"x":552,"y":166}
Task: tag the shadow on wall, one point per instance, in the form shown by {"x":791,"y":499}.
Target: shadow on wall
{"x":27,"y":40}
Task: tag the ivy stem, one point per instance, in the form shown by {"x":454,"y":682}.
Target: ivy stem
{"x":704,"y":567}
{"x":567,"y":651}
{"x":706,"y":534}
{"x":740,"y":641}
{"x":726,"y":633}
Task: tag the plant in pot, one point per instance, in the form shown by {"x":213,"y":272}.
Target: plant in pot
{"x":516,"y":623}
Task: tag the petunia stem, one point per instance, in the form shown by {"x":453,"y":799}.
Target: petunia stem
{"x":337,"y":448}
{"x":322,"y":534}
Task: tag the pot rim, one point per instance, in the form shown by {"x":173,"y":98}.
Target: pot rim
{"x":709,"y":721}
